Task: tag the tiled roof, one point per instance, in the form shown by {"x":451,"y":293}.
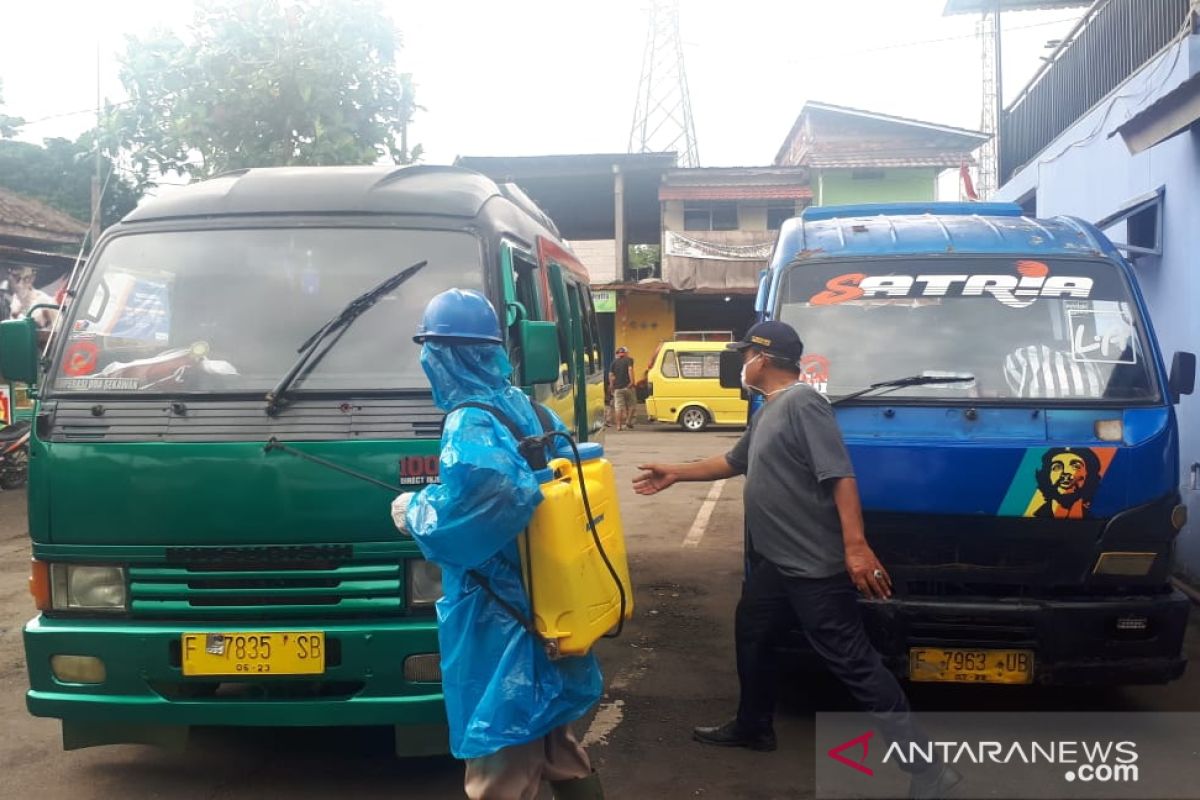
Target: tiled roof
{"x":25,"y":218}
{"x":837,"y":130}
{"x":885,"y":160}
{"x":768,"y":192}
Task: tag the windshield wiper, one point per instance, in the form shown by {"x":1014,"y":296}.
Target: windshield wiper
{"x":901,"y":383}
{"x":311,"y":352}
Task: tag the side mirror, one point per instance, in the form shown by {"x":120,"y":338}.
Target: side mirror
{"x":1182,"y":379}
{"x":19,"y":350}
{"x":540,"y":359}
{"x":731,"y":369}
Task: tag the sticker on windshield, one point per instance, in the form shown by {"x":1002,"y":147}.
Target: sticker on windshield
{"x":814,"y":370}
{"x":132,"y":307}
{"x":1101,"y":337}
{"x":80,"y":358}
{"x":97,"y":384}
{"x":1057,"y":482}
{"x":1031,"y":281}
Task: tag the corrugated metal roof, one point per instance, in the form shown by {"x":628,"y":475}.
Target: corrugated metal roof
{"x":25,"y":218}
{"x":769,"y":192}
{"x":928,"y":229}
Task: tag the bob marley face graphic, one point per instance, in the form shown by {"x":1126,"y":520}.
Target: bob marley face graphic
{"x":1068,"y":480}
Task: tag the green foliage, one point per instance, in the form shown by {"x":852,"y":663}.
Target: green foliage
{"x":644,"y":260}
{"x":59,"y":173}
{"x":8,"y":124}
{"x":266,"y":83}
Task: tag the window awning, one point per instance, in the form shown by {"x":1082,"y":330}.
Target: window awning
{"x":1170,"y":115}
{"x":1144,"y":224}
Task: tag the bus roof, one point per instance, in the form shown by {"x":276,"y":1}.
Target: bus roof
{"x":867,"y":231}
{"x":423,"y":190}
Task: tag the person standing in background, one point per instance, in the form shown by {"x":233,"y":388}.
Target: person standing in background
{"x":620,"y":379}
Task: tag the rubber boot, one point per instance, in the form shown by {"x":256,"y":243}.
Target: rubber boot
{"x":578,"y":789}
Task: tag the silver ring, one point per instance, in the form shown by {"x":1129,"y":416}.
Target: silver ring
{"x":878,"y":574}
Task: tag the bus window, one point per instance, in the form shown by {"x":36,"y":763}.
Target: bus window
{"x":669,"y":368}
{"x":525,"y":279}
{"x":590,"y":343}
{"x":591,"y":328}
{"x":560,"y":313}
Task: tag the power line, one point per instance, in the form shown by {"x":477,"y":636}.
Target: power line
{"x":77,"y":113}
{"x":899,"y":45}
{"x":920,"y":42}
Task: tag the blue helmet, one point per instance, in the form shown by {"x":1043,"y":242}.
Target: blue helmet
{"x":459,"y":316}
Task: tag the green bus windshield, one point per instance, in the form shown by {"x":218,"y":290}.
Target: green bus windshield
{"x":224,"y":311}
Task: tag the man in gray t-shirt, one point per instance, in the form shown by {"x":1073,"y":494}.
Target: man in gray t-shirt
{"x":790,"y":453}
{"x":806,"y":552}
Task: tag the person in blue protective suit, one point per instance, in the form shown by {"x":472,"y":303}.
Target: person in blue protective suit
{"x":508,"y":704}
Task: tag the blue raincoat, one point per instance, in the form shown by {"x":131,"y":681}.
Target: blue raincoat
{"x":500,"y":687}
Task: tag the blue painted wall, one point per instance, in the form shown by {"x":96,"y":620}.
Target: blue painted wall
{"x":1088,"y":172}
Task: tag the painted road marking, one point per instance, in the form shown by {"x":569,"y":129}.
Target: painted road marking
{"x":696,"y":533}
{"x":607,"y":718}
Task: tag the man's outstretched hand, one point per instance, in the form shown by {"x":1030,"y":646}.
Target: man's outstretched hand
{"x":654,"y":478}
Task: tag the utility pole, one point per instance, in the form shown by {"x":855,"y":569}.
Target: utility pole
{"x":662,"y":117}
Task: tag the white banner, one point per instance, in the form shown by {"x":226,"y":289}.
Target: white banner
{"x":679,"y":245}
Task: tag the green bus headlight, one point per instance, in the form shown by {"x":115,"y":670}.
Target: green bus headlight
{"x":87,"y":587}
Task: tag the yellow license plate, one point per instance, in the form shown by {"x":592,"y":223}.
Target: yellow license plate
{"x":961,"y":665}
{"x":254,"y":653}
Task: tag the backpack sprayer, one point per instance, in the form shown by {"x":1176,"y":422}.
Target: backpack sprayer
{"x":576,"y":585}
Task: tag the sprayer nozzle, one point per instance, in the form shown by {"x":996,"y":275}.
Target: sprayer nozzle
{"x":271,"y":444}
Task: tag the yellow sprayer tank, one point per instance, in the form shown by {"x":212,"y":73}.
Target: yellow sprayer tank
{"x":573,"y":594}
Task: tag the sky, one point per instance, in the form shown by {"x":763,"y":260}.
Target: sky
{"x":561,"y":76}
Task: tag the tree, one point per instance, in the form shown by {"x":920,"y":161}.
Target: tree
{"x":644,"y":260}
{"x":8,"y":125}
{"x":266,"y":83}
{"x":59,"y":173}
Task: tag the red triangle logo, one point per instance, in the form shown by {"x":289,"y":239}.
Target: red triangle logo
{"x":861,"y":764}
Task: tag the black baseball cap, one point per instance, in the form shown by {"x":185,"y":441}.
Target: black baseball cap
{"x":774,"y":338}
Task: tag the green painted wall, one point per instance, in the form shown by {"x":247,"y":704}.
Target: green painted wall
{"x":838,"y":186}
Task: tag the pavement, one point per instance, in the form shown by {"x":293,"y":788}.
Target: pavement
{"x":671,"y":670}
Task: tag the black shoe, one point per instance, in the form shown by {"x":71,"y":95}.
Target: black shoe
{"x":731,"y":735}
{"x":934,"y":783}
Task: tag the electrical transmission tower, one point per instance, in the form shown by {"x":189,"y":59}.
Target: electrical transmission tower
{"x":989,"y":157}
{"x":662,"y":119}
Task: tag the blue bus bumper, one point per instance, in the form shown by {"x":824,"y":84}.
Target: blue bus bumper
{"x":1075,"y":640}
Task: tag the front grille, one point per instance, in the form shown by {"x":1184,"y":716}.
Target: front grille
{"x":260,"y":590}
{"x":1015,"y":628}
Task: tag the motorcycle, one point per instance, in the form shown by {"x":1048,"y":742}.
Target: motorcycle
{"x":14,"y":455}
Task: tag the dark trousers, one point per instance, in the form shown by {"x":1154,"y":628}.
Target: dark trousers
{"x":827,"y":610}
